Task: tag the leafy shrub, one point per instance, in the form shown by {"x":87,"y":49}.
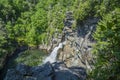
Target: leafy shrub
{"x":107,"y":48}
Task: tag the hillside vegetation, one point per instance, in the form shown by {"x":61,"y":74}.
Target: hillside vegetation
{"x":34,"y":22}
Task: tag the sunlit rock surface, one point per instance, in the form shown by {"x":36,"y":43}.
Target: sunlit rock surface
{"x":79,"y":43}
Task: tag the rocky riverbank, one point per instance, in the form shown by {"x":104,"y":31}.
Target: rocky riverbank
{"x":10,"y":58}
{"x":48,"y":71}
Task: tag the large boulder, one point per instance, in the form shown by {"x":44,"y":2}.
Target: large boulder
{"x":62,"y":72}
{"x":23,"y":72}
{"x":48,"y":71}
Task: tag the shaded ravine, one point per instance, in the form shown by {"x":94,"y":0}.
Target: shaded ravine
{"x":50,"y":70}
{"x":10,"y":59}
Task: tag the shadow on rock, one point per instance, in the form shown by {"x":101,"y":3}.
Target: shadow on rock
{"x":48,"y":71}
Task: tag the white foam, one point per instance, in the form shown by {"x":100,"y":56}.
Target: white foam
{"x":52,"y":57}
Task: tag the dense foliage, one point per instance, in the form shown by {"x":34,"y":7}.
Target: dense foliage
{"x":34,"y":22}
{"x":107,"y":48}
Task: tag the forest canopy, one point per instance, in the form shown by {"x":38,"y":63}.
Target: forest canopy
{"x":34,"y":22}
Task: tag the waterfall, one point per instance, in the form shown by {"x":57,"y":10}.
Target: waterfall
{"x":53,"y":55}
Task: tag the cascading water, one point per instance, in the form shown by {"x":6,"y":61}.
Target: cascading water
{"x":52,"y":57}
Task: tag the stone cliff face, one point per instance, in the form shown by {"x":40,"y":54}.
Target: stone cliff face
{"x":79,"y":42}
{"x":48,"y":71}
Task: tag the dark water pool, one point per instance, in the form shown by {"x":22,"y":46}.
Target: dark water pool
{"x":29,"y":57}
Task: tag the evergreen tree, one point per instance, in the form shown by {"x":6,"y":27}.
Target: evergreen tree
{"x":107,"y":47}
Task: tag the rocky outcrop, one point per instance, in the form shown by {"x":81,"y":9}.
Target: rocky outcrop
{"x":79,"y":42}
{"x":48,"y":71}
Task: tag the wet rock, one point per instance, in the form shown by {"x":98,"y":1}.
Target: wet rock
{"x":23,"y":69}
{"x":62,"y":72}
{"x":65,"y":75}
{"x":59,"y":66}
{"x":43,"y":72}
{"x":29,"y":78}
{"x":12,"y":74}
{"x":48,"y":71}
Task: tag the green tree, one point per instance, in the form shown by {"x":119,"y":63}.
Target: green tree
{"x":107,"y":49}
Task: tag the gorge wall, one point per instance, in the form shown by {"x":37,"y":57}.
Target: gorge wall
{"x":79,"y":42}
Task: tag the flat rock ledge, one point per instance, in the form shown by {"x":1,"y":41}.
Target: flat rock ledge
{"x":47,"y":71}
